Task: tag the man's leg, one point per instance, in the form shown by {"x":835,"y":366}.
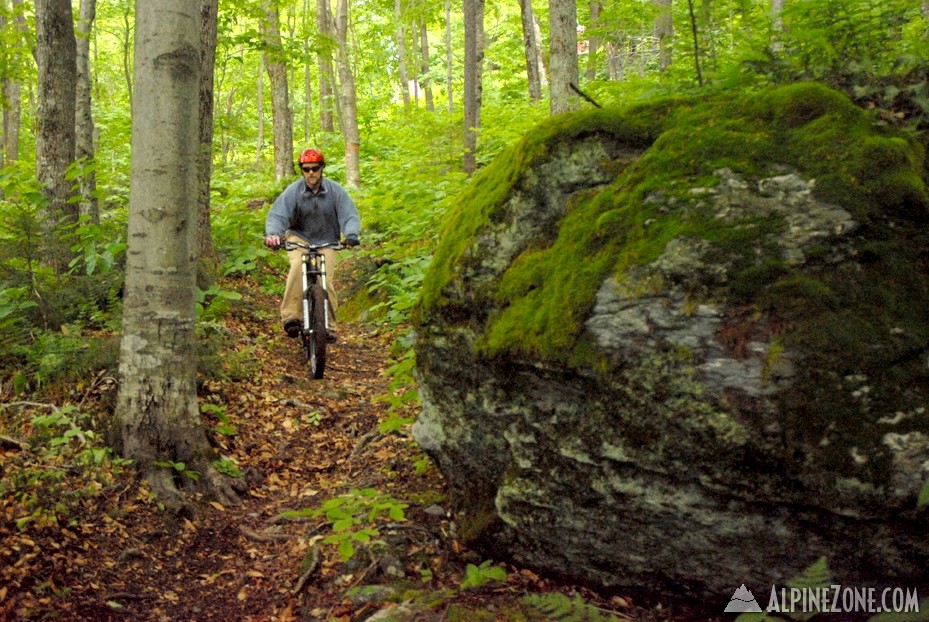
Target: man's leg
{"x":330,"y":257}
{"x":292,"y":302}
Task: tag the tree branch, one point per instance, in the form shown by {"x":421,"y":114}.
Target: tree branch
{"x":584,"y":95}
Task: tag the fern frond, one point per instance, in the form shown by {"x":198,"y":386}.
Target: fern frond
{"x":558,"y":607}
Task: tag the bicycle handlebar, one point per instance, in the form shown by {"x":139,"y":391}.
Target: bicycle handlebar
{"x":290,"y":245}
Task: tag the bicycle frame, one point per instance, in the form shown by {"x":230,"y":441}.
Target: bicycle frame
{"x":315,"y":330}
{"x":314,"y":267}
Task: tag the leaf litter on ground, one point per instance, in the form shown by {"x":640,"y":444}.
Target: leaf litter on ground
{"x":333,"y":509}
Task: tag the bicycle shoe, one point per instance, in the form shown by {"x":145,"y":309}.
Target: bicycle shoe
{"x":331,"y":337}
{"x":292,"y":328}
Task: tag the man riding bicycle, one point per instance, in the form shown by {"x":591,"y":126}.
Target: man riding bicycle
{"x":316,"y":210}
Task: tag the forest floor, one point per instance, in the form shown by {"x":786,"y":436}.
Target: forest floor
{"x":304,"y":447}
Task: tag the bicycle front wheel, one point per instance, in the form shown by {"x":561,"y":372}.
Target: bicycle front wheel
{"x":318,"y":337}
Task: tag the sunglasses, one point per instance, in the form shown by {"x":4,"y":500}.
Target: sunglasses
{"x":311,"y":169}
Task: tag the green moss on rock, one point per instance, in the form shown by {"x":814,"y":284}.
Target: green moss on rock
{"x":544,"y":297}
{"x":490,"y":188}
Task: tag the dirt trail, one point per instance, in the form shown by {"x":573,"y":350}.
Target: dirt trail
{"x":297,"y":441}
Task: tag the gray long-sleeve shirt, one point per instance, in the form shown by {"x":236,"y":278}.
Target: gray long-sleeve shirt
{"x":320,"y":218}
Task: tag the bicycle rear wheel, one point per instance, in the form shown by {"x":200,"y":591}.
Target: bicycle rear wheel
{"x":318,"y":338}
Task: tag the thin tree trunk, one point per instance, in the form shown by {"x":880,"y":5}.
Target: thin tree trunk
{"x":307,"y":78}
{"x":664,"y":31}
{"x":260,"y":105}
{"x":593,"y":40}
{"x":157,"y":404}
{"x":531,"y":46}
{"x":403,"y":74}
{"x":12,"y":98}
{"x":426,"y":82}
{"x":280,"y":98}
{"x":777,"y":23}
{"x":708,"y":42}
{"x":614,"y":60}
{"x":473,"y":76}
{"x":208,"y":259}
{"x":562,"y":15}
{"x":449,"y":66}
{"x":56,"y":56}
{"x":127,"y":51}
{"x":230,"y":114}
{"x":349,"y":100}
{"x":84,"y":120}
{"x":693,"y":27}
{"x":543,"y":71}
{"x":326,"y":73}
{"x":12,"y":120}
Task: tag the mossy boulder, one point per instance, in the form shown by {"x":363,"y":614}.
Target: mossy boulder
{"x":684,"y":346}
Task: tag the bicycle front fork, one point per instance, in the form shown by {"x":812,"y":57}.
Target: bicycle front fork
{"x":321,"y":262}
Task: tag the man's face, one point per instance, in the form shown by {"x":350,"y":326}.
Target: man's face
{"x":312,"y":173}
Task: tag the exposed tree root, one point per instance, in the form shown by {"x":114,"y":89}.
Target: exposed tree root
{"x":210,"y":483}
{"x":314,"y":562}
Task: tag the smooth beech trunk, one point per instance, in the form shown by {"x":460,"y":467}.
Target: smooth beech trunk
{"x":531,"y":46}
{"x":56,"y":56}
{"x":157,"y":407}
{"x":12,"y":95}
{"x":562,"y":16}
{"x":83,"y":118}
{"x":349,"y":100}
{"x":473,"y":77}
{"x":276,"y":66}
{"x":326,"y":71}
{"x":208,"y":258}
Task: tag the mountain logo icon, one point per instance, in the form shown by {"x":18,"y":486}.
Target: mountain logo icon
{"x":743,"y":601}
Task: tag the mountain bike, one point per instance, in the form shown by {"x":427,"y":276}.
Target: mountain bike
{"x":314,"y":334}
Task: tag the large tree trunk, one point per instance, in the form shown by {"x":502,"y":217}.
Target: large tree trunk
{"x":84,"y":120}
{"x":402,"y":73}
{"x":326,"y":72}
{"x":473,"y":77}
{"x":157,"y":406}
{"x":349,"y":100}
{"x":531,"y":45}
{"x":56,"y":56}
{"x":280,"y":99}
{"x":562,"y":15}
{"x":208,"y":259}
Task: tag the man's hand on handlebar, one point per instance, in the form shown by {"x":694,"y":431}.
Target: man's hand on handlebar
{"x":273,"y":241}
{"x":351,"y":240}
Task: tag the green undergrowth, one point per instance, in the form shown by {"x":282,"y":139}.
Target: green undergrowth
{"x":543,"y":298}
{"x":491,"y":601}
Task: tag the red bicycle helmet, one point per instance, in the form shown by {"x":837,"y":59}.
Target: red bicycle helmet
{"x":312,"y":155}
